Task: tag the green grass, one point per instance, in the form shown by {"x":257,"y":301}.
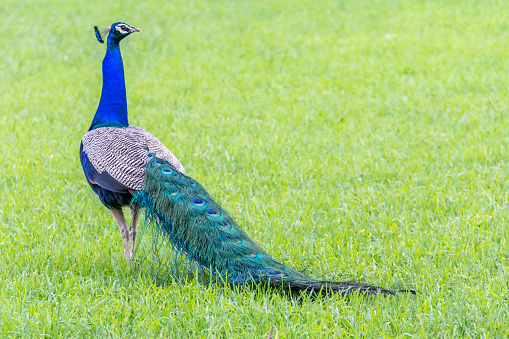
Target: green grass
{"x":344,"y":151}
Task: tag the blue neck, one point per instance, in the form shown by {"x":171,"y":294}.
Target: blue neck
{"x":113,"y":105}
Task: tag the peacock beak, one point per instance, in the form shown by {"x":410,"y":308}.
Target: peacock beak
{"x":134,"y":29}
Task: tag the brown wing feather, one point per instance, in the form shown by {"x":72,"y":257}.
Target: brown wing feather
{"x":123,"y":153}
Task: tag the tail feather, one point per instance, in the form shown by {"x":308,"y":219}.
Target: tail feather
{"x":199,"y":227}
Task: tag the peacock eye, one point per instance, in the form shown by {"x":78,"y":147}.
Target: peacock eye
{"x":212,"y":213}
{"x":198,"y":202}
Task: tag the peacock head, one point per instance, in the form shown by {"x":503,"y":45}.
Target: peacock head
{"x":116,"y":32}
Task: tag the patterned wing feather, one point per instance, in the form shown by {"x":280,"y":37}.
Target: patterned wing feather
{"x":123,"y":153}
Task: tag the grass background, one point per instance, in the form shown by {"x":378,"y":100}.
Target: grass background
{"x":358,"y":140}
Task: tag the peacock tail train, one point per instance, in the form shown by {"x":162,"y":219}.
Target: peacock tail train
{"x":201,"y":229}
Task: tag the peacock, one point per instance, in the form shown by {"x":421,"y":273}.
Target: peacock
{"x":128,"y":167}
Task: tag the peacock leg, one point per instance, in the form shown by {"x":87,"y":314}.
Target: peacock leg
{"x":135,"y":215}
{"x":124,"y":232}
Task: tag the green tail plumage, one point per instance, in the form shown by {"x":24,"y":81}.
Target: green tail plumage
{"x":197,"y":226}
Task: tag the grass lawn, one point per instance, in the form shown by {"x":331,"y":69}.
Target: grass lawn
{"x":363,"y":140}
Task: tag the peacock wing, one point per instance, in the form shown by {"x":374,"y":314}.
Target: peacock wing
{"x":117,"y":157}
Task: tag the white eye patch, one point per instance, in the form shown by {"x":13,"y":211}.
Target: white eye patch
{"x":122,"y":29}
